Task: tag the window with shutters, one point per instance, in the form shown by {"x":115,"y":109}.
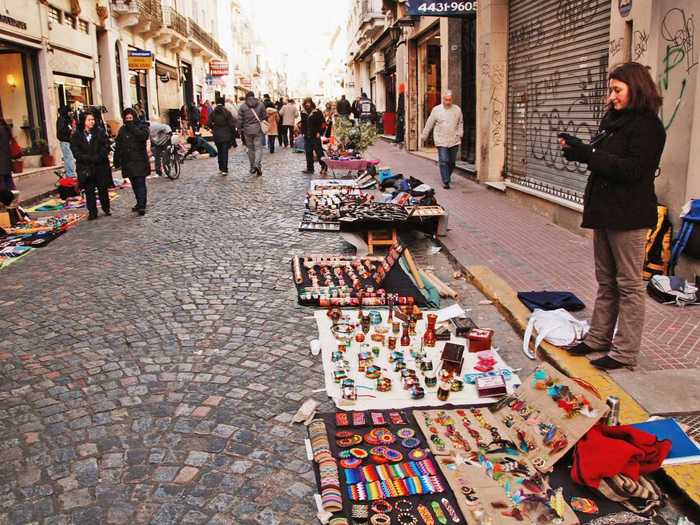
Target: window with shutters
{"x":70,"y":20}
{"x":83,"y":27}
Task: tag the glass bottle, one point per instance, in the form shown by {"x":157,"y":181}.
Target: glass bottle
{"x":405,"y":337}
{"x":429,"y":337}
{"x":444,"y":385}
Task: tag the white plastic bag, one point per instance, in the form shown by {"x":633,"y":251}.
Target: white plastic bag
{"x":557,"y":327}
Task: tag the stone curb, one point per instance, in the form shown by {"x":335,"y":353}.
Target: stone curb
{"x":685,"y":477}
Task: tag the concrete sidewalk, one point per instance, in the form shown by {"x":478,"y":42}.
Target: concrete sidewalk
{"x":531,"y":253}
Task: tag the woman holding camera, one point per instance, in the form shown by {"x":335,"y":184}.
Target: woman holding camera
{"x":620,"y":207}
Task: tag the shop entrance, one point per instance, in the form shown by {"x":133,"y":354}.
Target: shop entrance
{"x":137,"y":88}
{"x":187,"y":84}
{"x":20,"y":104}
{"x":429,"y":84}
{"x":73,"y":92}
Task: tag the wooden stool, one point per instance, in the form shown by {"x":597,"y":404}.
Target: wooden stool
{"x":380,"y":238}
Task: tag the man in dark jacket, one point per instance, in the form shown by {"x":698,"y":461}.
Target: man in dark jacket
{"x":223,"y":128}
{"x":267,"y":101}
{"x":343,"y":107}
{"x":365,"y":109}
{"x":311,"y":126}
{"x":64,"y":130}
{"x":130,"y":155}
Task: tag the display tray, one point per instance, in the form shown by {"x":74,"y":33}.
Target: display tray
{"x":378,"y":277}
{"x":311,"y":222}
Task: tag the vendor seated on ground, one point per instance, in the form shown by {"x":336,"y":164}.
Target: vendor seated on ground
{"x":199,"y":145}
{"x":10,"y":210}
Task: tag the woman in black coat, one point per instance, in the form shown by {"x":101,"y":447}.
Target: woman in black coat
{"x":130,"y":155}
{"x":620,"y":206}
{"x":90,"y":147}
{"x":223,"y":129}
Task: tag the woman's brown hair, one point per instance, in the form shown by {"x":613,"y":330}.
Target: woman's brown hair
{"x":644,"y":93}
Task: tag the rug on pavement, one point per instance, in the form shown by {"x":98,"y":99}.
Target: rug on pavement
{"x":71,"y":203}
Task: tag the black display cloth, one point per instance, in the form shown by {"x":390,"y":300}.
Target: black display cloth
{"x":559,"y":477}
{"x":425,"y":499}
{"x":396,"y":281}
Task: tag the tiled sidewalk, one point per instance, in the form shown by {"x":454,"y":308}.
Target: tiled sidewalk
{"x":531,"y":253}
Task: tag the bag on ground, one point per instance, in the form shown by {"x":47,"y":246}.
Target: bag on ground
{"x":557,"y":327}
{"x":672,"y":290}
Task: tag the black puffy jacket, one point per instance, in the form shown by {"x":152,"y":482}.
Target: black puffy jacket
{"x":620,"y":191}
{"x":91,"y":158}
{"x":222,"y":124}
{"x":130,"y":153}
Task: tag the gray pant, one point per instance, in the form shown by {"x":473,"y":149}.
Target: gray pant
{"x":619,"y":258}
{"x":254,"y":143}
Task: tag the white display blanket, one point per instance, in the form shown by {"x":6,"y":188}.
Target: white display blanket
{"x":397,"y":397}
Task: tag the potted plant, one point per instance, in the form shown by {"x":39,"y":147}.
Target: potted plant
{"x":46,"y":157}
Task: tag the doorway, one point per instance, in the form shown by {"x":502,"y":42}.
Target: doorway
{"x":429,"y":81}
{"x":20,"y":103}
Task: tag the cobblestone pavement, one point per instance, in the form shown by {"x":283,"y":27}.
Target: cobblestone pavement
{"x":149,"y":367}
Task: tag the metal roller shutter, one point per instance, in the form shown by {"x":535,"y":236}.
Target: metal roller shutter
{"x":557,"y":82}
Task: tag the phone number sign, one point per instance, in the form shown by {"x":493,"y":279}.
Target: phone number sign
{"x":441,"y":8}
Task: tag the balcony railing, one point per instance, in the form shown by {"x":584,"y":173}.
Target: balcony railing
{"x":146,"y":10}
{"x":204,"y":38}
{"x":175,"y":21}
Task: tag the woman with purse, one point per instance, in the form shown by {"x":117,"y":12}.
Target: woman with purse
{"x":9,"y":150}
{"x":90,"y":147}
{"x":620,"y":207}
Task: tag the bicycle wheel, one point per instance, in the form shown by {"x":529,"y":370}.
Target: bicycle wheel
{"x":175,"y":166}
{"x":166,"y":162}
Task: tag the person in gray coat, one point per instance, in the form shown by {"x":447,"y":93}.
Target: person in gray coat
{"x":250,"y":116}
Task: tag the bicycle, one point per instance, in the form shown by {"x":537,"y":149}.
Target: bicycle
{"x":172,"y":160}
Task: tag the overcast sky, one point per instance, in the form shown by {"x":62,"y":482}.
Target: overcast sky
{"x":301,"y":29}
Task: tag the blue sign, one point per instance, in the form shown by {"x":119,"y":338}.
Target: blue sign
{"x":441,"y":7}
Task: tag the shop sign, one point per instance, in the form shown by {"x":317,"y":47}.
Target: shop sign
{"x":140,"y":60}
{"x":164,"y":77}
{"x":8,"y":20}
{"x":625,"y":7}
{"x":218,"y":68}
{"x":441,"y":8}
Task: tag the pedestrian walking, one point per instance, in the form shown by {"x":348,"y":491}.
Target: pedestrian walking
{"x":343,"y":107}
{"x":64,"y":130}
{"x":130,"y":155}
{"x":90,"y":147}
{"x":289,"y":114}
{"x":195,"y":117}
{"x":223,"y":128}
{"x":448,"y":124}
{"x":267,"y":101}
{"x":312,"y":127}
{"x":273,"y":120}
{"x":619,"y":204}
{"x":365,"y":110}
{"x":252,"y":118}
{"x":160,"y":135}
{"x":233,"y":108}
{"x":241,"y":101}
{"x":279,"y":104}
{"x":204,"y":114}
{"x":7,"y":145}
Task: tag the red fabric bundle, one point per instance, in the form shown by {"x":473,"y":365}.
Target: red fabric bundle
{"x":607,"y":451}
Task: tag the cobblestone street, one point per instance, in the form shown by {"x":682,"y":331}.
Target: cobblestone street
{"x":150,"y":366}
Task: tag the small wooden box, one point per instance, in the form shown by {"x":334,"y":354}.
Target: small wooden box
{"x":491,"y":386}
{"x":480,"y":339}
{"x":452,"y":358}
